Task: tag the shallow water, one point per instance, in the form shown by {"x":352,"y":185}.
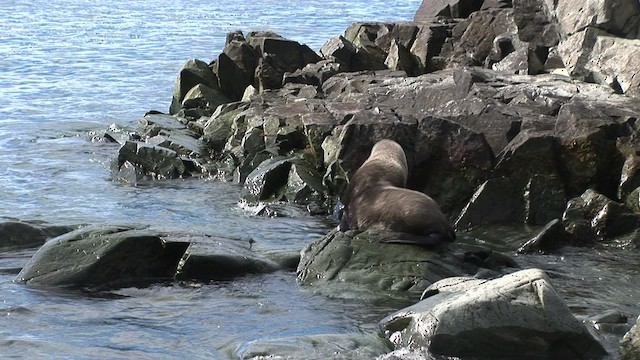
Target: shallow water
{"x":70,"y":67}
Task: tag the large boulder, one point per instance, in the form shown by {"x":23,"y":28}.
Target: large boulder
{"x":103,"y":257}
{"x":519,"y":315}
{"x":362,"y":263}
{"x":194,"y":72}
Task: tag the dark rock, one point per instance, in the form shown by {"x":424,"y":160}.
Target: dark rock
{"x":429,"y":10}
{"x":304,"y":185}
{"x":279,"y":56}
{"x":534,"y":23}
{"x":495,"y":201}
{"x":400,"y":58}
{"x":630,"y":345}
{"x":21,"y":234}
{"x":194,"y":72}
{"x":341,"y":50}
{"x":432,"y":42}
{"x":605,"y":217}
{"x":235,"y":68}
{"x":474,"y":36}
{"x":361,"y":263}
{"x":216,"y":258}
{"x":158,"y":162}
{"x":103,"y":257}
{"x":183,"y":145}
{"x":219,"y":127}
{"x":268,"y":181}
{"x":630,"y":176}
{"x":519,"y":315}
{"x":552,"y":237}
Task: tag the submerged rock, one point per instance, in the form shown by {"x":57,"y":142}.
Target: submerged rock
{"x":519,"y":315}
{"x":103,"y":257}
{"x":25,"y":234}
{"x":327,"y":346}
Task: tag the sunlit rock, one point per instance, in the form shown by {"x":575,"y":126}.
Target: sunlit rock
{"x":194,"y":72}
{"x":630,"y":345}
{"x":519,"y":315}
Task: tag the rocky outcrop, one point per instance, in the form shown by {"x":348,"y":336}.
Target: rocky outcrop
{"x":519,"y":315}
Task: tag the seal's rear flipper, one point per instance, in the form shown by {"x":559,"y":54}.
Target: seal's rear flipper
{"x":432,"y":239}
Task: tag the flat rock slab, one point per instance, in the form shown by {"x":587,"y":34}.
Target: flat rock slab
{"x":519,"y":315}
{"x":104,"y":256}
{"x":16,"y":234}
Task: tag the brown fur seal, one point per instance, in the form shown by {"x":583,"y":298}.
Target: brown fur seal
{"x":376,"y":199}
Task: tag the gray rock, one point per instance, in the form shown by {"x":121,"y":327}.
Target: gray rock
{"x":16,"y":234}
{"x":429,"y":10}
{"x":534,"y":24}
{"x":551,"y":237}
{"x":357,"y":262}
{"x":194,"y":72}
{"x":104,"y":256}
{"x":341,"y":50}
{"x":630,"y":345}
{"x":495,"y":201}
{"x":630,"y":176}
{"x":205,"y":97}
{"x":517,"y":316}
{"x":151,"y":124}
{"x":216,"y":258}
{"x":155,"y":161}
{"x":268,"y":181}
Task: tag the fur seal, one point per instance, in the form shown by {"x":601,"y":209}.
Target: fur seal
{"x":376,"y":199}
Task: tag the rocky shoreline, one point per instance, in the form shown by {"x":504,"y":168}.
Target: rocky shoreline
{"x":509,"y":112}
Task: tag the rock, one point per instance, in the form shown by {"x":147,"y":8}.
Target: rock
{"x":236,"y":68}
{"x":586,"y":56}
{"x":205,"y":97}
{"x":325,"y":346}
{"x":620,"y":17}
{"x":495,"y":201}
{"x":359,"y":262}
{"x":341,"y":50}
{"x":105,"y":256}
{"x":304,"y":185}
{"x":156,"y":161}
{"x":21,"y":234}
{"x":151,"y":124}
{"x":551,"y":237}
{"x":630,"y":176}
{"x":183,"y":145}
{"x":268,"y":181}
{"x":215,"y":258}
{"x":429,"y":9}
{"x":219,"y":127}
{"x":279,"y":56}
{"x":630,"y":345}
{"x":534,"y":23}
{"x":605,"y":217}
{"x":517,"y":316}
{"x":313,"y":74}
{"x":610,"y":321}
{"x":400,"y":58}
{"x":476,"y":34}
{"x":194,"y":72}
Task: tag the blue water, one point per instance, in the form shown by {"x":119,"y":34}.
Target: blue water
{"x":72,"y":67}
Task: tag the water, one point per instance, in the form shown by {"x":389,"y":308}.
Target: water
{"x":70,"y":67}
